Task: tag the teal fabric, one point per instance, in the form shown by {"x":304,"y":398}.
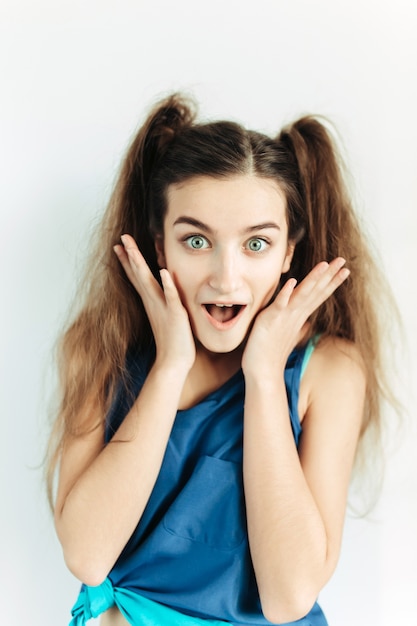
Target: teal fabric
{"x":307,"y":355}
{"x":137,"y":610}
{"x":190,"y":550}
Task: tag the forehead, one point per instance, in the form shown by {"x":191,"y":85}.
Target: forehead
{"x":240,"y":196}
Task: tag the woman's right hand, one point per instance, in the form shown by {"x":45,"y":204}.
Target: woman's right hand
{"x":169,"y":320}
{"x":96,"y":481}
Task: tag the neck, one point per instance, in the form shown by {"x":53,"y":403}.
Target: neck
{"x":209,"y":372}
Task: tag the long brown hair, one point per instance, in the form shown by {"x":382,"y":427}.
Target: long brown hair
{"x":171,"y":147}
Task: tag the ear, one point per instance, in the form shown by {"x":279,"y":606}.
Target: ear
{"x":288,"y":257}
{"x":159,"y":248}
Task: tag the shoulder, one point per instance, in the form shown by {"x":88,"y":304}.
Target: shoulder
{"x":331,"y":352}
{"x":336,"y":370}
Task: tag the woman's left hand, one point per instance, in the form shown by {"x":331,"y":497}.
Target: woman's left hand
{"x":281,"y":326}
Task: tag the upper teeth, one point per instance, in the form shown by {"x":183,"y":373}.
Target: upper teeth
{"x":222,"y":305}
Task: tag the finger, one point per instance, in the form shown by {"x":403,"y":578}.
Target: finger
{"x":320,"y":277}
{"x":172,"y":296}
{"x":286,"y":292}
{"x":133,"y":253}
{"x":124,"y":261}
{"x":138,"y":271}
{"x":315,"y":288}
{"x":324,"y":288}
{"x":332,"y":278}
{"x":143,"y":275}
{"x":323,"y":272}
{"x":339,"y":278}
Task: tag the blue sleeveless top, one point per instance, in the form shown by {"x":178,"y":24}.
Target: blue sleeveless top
{"x":190,"y":549}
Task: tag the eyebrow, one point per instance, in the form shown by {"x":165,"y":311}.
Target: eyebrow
{"x":191,"y":221}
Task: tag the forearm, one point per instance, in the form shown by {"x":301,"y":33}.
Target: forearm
{"x":286,"y":532}
{"x":103,"y":507}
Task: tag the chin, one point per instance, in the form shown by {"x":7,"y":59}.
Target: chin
{"x":221,"y":347}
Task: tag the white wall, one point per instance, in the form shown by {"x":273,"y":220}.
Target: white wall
{"x":75,"y":79}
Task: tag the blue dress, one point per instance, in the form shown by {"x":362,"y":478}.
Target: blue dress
{"x":190,"y":549}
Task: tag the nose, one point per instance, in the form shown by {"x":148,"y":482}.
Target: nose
{"x":226,"y":272}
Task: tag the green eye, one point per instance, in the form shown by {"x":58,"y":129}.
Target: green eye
{"x":197,"y":242}
{"x":256,"y":245}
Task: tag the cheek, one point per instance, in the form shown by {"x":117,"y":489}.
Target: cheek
{"x":184,"y":281}
{"x":270,"y":293}
{"x":175,"y":267}
{"x":268,"y":285}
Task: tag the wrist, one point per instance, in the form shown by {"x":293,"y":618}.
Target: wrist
{"x":174,"y":371}
{"x":264,"y":377}
{"x":255,"y":382}
{"x":266,"y":401}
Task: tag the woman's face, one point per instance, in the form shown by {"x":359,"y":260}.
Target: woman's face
{"x":225,"y":243}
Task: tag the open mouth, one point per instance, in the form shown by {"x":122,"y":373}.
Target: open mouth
{"x":223,"y":312}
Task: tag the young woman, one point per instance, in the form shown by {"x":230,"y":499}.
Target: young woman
{"x":217,"y":379}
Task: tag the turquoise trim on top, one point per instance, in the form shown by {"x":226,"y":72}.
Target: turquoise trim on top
{"x":307,"y":354}
{"x":93,"y":601}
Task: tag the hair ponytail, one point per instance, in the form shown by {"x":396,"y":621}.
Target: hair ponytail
{"x":164,"y":123}
{"x":111,"y":319}
{"x":128,"y":208}
{"x":355,"y":310}
{"x":331,"y":226}
{"x":321,"y":183}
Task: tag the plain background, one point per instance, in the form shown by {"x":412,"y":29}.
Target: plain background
{"x":76,"y":79}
